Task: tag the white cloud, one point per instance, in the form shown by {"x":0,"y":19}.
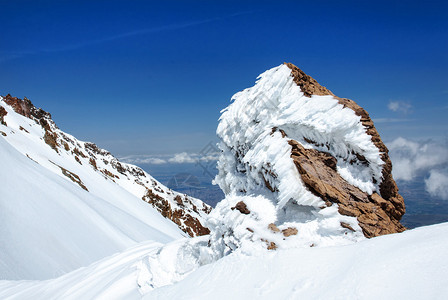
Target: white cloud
{"x":188,"y":158}
{"x":143,"y":160}
{"x":411,"y":158}
{"x":437,"y":183}
{"x":400,"y":106}
{"x":155,"y":161}
{"x":178,"y":158}
{"x":182,"y":158}
{"x":427,"y":159}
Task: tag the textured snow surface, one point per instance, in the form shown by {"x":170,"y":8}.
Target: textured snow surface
{"x":250,"y":233}
{"x":50,"y":226}
{"x":408,"y":265}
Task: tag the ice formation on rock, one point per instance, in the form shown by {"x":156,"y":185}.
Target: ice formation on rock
{"x":315,"y":159}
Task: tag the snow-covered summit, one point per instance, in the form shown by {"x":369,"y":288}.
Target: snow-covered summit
{"x":316,"y":158}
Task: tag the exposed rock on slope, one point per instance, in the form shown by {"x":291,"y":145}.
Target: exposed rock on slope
{"x":92,"y":162}
{"x":3,"y":113}
{"x":178,"y":214}
{"x":318,"y":159}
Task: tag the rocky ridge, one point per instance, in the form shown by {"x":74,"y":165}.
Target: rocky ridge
{"x":187,"y":212}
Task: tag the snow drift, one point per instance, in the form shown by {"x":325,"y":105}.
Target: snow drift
{"x":409,"y":265}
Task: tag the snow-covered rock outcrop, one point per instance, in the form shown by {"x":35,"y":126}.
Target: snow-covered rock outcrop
{"x":300,"y":168}
{"x":313,"y":161}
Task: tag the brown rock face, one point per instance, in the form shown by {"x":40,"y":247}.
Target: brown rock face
{"x":25,"y":107}
{"x":242,"y":208}
{"x":273,"y":227}
{"x":290,"y":231}
{"x":185,"y":221}
{"x":3,"y":113}
{"x":308,"y":84}
{"x":388,"y":187}
{"x":271,"y":245}
{"x":72,"y":176}
{"x":51,"y":139}
{"x":376,"y":214}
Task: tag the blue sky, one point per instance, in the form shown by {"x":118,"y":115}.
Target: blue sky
{"x":143,"y":77}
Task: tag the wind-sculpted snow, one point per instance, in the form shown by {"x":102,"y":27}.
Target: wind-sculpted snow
{"x":266,"y":227}
{"x":314,"y":156}
{"x":256,"y":156}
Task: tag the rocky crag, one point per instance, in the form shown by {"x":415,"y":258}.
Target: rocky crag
{"x":313,"y":160}
{"x":377,"y":213}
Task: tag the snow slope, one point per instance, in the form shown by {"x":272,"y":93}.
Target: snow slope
{"x":66,"y":204}
{"x":94,"y":169}
{"x":408,"y":265}
{"x":50,"y":226}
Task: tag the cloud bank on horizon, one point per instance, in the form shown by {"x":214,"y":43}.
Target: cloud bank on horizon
{"x":424,"y":158}
{"x":177,"y":158}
